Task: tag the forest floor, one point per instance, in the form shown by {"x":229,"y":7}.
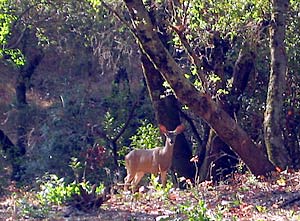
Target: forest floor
{"x":244,"y":197}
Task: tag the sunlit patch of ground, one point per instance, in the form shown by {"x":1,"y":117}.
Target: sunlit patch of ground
{"x":245,"y":197}
{"x":39,"y":100}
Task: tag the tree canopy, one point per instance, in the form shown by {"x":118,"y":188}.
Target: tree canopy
{"x":84,"y":82}
{"x":77,"y":76}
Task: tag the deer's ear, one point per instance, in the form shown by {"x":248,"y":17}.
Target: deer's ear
{"x":179,"y":129}
{"x":162,"y":128}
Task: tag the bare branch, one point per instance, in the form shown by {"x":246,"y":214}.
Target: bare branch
{"x":117,"y":15}
{"x":194,"y":57}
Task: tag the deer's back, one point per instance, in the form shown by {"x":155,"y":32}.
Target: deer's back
{"x":147,"y":160}
{"x":142,"y":160}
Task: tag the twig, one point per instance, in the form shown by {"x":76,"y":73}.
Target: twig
{"x":288,"y":202}
{"x":195,"y":59}
{"x":117,"y":15}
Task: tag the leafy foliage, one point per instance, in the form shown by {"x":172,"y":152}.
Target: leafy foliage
{"x":293,"y":51}
{"x":85,"y":47}
{"x":195,"y":212}
{"x":244,"y":197}
{"x":55,"y":190}
{"x":7,"y":18}
{"x":228,"y":17}
{"x":147,"y":136}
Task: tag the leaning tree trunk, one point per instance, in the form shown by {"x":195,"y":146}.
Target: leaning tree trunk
{"x":200,"y":103}
{"x":166,"y":105}
{"x":273,"y":115}
{"x":23,"y":79}
{"x":167,"y":113}
{"x":220,"y":161}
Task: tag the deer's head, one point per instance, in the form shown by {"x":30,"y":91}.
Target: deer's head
{"x":171,"y":135}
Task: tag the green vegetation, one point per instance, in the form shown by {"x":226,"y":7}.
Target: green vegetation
{"x":74,"y":101}
{"x":147,"y":137}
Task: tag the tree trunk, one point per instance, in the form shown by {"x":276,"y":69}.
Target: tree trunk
{"x":12,"y":154}
{"x":22,"y":111}
{"x":201,"y":104}
{"x":5,"y":142}
{"x":220,"y":160}
{"x":167,"y":113}
{"x":165,"y":104}
{"x":273,"y":114}
{"x":291,"y":136}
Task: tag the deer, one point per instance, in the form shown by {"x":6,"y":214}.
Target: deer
{"x":158,"y":160}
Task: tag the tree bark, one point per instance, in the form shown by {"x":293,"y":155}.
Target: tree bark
{"x":167,"y":113}
{"x":291,"y":136}
{"x":200,"y":103}
{"x":12,"y":153}
{"x":22,"y":83}
{"x":277,"y":152}
{"x":220,"y":160}
{"x":5,"y":142}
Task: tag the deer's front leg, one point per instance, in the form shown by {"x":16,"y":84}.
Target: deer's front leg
{"x":163,"y":177}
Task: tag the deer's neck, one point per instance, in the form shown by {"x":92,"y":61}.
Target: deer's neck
{"x":167,"y":150}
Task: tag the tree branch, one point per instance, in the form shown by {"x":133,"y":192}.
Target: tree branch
{"x":198,"y":102}
{"x":193,"y":56}
{"x":117,"y":15}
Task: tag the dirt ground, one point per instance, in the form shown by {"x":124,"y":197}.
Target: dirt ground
{"x":242,"y":198}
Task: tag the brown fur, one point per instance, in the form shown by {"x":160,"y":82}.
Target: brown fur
{"x":157,"y":160}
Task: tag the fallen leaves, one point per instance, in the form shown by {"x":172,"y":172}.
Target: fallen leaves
{"x":244,"y":197}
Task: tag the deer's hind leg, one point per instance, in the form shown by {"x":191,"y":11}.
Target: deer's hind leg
{"x":137,"y":178}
